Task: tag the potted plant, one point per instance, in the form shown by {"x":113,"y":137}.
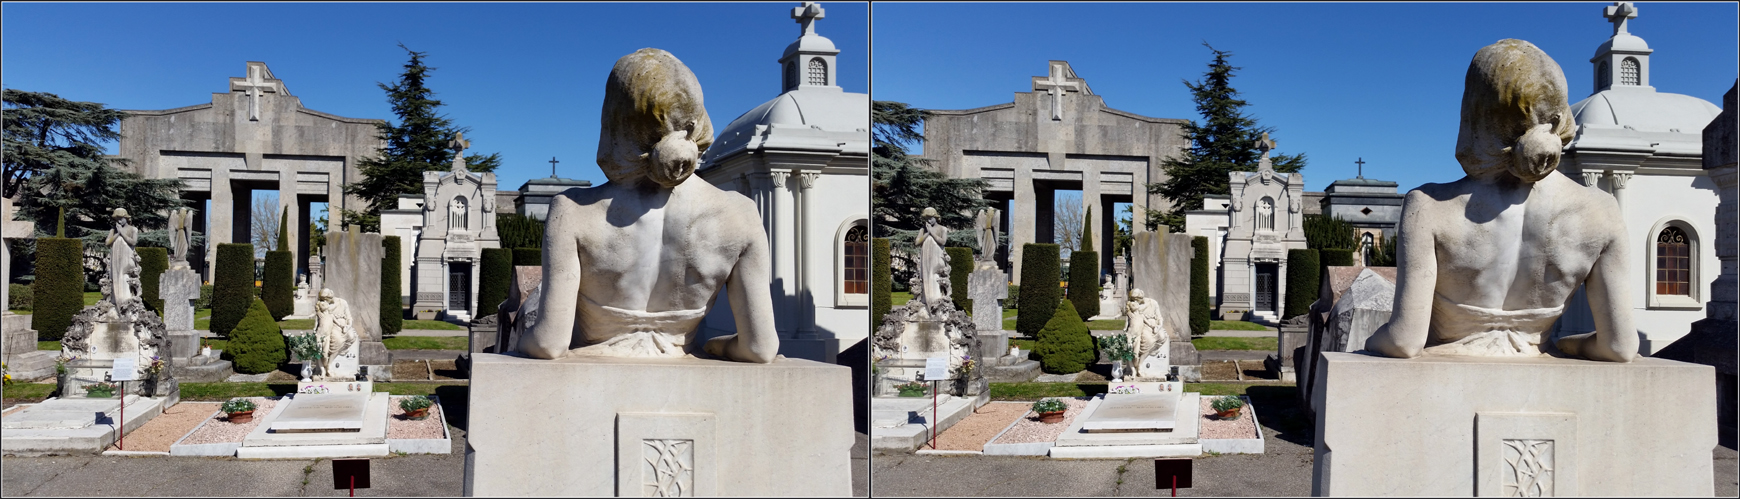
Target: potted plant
{"x":240,"y":410}
{"x":307,"y":348}
{"x":1050,"y":410}
{"x":416,"y":407}
{"x":964,"y":375}
{"x":911,"y":389}
{"x":204,"y":348}
{"x":100,"y":390}
{"x":1117,"y":348}
{"x":1227,"y":407}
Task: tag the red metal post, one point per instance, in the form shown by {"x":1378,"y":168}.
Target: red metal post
{"x":121,"y":426}
{"x":933,"y":415}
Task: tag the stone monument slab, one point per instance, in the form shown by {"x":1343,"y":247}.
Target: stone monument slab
{"x":353,"y":272}
{"x":325,"y":411}
{"x":65,"y":413}
{"x":987,"y":287}
{"x":1137,"y":411}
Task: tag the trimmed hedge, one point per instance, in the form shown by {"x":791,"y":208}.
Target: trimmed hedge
{"x":152,"y":263}
{"x":19,"y":297}
{"x":233,"y":289}
{"x":528,"y":256}
{"x":960,"y":267}
{"x":1199,"y":304}
{"x":1302,"y":281}
{"x":1335,"y":257}
{"x":1039,"y":291}
{"x":278,"y":288}
{"x":495,"y":275}
{"x":392,"y":303}
{"x":60,"y":286}
{"x":519,"y":231}
{"x":1084,"y":282}
{"x":256,"y":343}
{"x":1064,"y":345}
{"x":881,"y":280}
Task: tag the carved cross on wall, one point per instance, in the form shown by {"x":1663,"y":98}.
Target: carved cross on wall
{"x":1618,"y":14}
{"x":254,"y":85}
{"x":1057,"y":85}
{"x":806,"y":16}
{"x":1265,"y":144}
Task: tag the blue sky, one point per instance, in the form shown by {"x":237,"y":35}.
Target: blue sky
{"x":527,"y":78}
{"x":1338,"y":81}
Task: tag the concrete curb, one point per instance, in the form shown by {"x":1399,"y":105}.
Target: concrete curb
{"x":1237,"y":445}
{"x":443,"y":445}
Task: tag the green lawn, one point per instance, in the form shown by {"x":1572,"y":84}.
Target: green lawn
{"x":1236,"y":326}
{"x":427,"y":342}
{"x":1106,"y":325}
{"x":48,"y":345}
{"x":21,"y":312}
{"x":1036,"y":391}
{"x":435,"y":325}
{"x":35,"y":391}
{"x":899,"y":298}
{"x":1234,"y":343}
{"x":1024,"y":344}
{"x":296,"y":324}
{"x":91,"y":298}
{"x":1008,"y":313}
{"x":1009,"y":324}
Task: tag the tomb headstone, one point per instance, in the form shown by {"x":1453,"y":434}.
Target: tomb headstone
{"x":354,"y":274}
{"x":17,"y":339}
{"x":1161,"y":262}
{"x":1137,"y":411}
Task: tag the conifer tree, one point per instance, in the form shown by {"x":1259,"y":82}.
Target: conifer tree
{"x":417,"y":144}
{"x":1224,"y":141}
{"x":902,"y":187}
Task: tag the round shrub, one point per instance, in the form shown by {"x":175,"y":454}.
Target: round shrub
{"x":18,"y":297}
{"x":1084,"y":282}
{"x":234,"y":288}
{"x":1064,"y":345}
{"x":392,"y":302}
{"x":960,"y":268}
{"x":881,"y":280}
{"x":1302,"y":282}
{"x":1039,"y":292}
{"x":152,"y":263}
{"x":60,"y":286}
{"x":256,"y":343}
{"x":495,"y":274}
{"x":1199,"y":304}
{"x":528,"y":257}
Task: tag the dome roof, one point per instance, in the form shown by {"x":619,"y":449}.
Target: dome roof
{"x":1644,"y":109}
{"x":1623,"y":42}
{"x":810,"y":43}
{"x":829,"y":110}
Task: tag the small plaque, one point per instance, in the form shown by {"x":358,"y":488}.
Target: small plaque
{"x":125,"y":370}
{"x":1165,"y":470}
{"x":936,"y":368}
{"x":344,"y":470}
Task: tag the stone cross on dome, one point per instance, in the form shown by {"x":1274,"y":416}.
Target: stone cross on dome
{"x":1361,"y":164}
{"x":1618,"y":14}
{"x":258,"y":81}
{"x":1057,"y":85}
{"x":459,"y":145}
{"x":1265,"y":144}
{"x":553,"y":166}
{"x":806,"y":16}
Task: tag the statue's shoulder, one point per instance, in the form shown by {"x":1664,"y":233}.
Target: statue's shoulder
{"x":719,"y":205}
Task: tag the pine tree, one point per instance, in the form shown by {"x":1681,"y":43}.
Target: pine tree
{"x":903,"y":186}
{"x":417,"y":144}
{"x":53,"y":147}
{"x":1224,"y":141}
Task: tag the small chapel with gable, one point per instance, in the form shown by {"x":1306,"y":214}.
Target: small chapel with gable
{"x":458,"y":223}
{"x":1267,"y":219}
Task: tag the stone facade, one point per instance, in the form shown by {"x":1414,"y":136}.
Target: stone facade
{"x":458,"y":223}
{"x":1372,"y":207}
{"x":533,"y":198}
{"x":255,"y":136}
{"x":1059,"y":136}
{"x":1266,"y":220}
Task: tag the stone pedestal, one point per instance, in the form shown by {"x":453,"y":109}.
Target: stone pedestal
{"x":178,"y":288}
{"x":18,"y":348}
{"x":987,"y":287}
{"x":353,"y":273}
{"x":1461,"y":426}
{"x":1290,"y":337}
{"x":608,"y":426}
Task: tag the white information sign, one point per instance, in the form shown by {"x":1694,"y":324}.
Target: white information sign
{"x":125,"y":370}
{"x":936,"y":368}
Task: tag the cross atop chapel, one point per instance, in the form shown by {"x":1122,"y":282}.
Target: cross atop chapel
{"x":1618,"y":14}
{"x":459,"y":145}
{"x":258,"y":81}
{"x":1058,"y":83}
{"x":806,"y":16}
{"x":1265,"y":144}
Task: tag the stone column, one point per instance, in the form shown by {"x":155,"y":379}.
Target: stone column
{"x":1022,"y":217}
{"x":806,"y":279}
{"x":220,"y":226}
{"x":1619,"y":180}
{"x":290,"y":212}
{"x":780,"y":241}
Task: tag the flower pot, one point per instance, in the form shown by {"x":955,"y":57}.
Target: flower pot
{"x":417,"y":415}
{"x":1229,"y":414}
{"x":1117,"y":371}
{"x":307,"y":371}
{"x":241,"y":417}
{"x":1051,"y":417}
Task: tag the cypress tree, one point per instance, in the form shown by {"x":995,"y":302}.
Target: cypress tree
{"x":256,"y":343}
{"x":1084,"y":272}
{"x":1302,"y":281}
{"x":528,"y":257}
{"x":1064,"y":345}
{"x":1200,"y":307}
{"x":881,"y":281}
{"x":1039,"y":291}
{"x":495,"y":277}
{"x":60,"y":286}
{"x":152,"y":263}
{"x":278,"y":284}
{"x":1325,"y":232}
{"x":960,"y":267}
{"x":233,"y":289}
{"x":392,"y":304}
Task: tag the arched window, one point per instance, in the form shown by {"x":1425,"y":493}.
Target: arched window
{"x":458,"y":214}
{"x":1673,"y":262}
{"x":1266,"y":214}
{"x":1603,"y":78}
{"x":791,"y":75}
{"x":818,"y":72}
{"x":1628,"y":72}
{"x":852,"y":262}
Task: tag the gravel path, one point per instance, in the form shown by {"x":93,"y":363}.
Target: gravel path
{"x":1030,"y":430}
{"x":401,"y":428}
{"x":163,"y":430}
{"x":1214,"y":428}
{"x":220,"y":429}
{"x":981,"y":426}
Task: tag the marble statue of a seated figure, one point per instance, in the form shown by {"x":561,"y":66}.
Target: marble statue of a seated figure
{"x":1486,"y":263}
{"x":633,"y":265}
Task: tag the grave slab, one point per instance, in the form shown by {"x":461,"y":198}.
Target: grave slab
{"x":1140,"y":411}
{"x":322,"y":411}
{"x":65,"y":414}
{"x":1183,"y":433}
{"x":373,"y":431}
{"x":916,"y":413}
{"x":89,"y":440}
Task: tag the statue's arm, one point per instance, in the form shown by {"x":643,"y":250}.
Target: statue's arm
{"x":131,"y":234}
{"x":751,"y":306}
{"x":1615,"y":337}
{"x":1416,"y":281}
{"x":553,"y":331}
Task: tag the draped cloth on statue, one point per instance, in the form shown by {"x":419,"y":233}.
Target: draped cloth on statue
{"x":634,"y":333}
{"x":1469,"y":330}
